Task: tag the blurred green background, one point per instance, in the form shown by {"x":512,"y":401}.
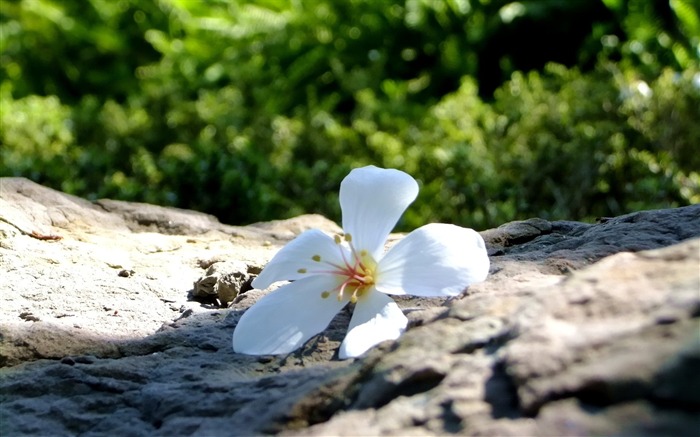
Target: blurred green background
{"x":256,"y":110}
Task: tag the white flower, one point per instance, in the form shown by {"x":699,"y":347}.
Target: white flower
{"x":328,"y":272}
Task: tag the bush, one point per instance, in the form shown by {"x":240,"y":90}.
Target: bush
{"x":257,"y":111}
{"x":572,"y":148}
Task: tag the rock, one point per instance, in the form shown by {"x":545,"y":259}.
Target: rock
{"x":518,"y":232}
{"x":224,"y":281}
{"x":288,"y":229}
{"x":31,"y":208}
{"x":107,"y":278}
{"x":172,"y":221}
{"x":570,"y":358}
{"x":580,"y":329}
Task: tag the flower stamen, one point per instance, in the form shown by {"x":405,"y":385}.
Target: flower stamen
{"x":355,"y":274}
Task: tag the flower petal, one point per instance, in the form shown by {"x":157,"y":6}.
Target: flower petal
{"x":434,"y":260}
{"x":285,"y":319}
{"x":376,"y":318}
{"x":372,"y":200}
{"x":297,"y":255}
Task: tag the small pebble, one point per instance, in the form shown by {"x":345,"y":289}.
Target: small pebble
{"x":666,"y":319}
{"x":126,"y":273}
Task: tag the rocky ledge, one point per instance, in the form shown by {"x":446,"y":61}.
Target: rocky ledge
{"x":116,"y":318}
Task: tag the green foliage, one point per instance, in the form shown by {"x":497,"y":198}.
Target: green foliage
{"x":657,"y":33}
{"x":256,"y":110}
{"x":574,"y":156}
{"x":36,"y":135}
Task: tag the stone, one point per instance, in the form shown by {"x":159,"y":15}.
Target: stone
{"x":224,"y":281}
{"x":116,"y":318}
{"x":170,"y":221}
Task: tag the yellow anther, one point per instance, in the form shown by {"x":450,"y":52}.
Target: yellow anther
{"x":301,"y":271}
{"x":348,"y":238}
{"x":316,"y":258}
{"x":363,"y":253}
{"x":325,"y":294}
{"x":353,"y":299}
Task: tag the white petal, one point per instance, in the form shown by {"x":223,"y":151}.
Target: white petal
{"x":286,"y":318}
{"x":372,"y":200}
{"x":296,"y":255}
{"x":376,"y":318}
{"x":434,"y":260}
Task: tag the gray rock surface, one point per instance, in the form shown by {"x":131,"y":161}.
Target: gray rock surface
{"x":580,"y":329}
